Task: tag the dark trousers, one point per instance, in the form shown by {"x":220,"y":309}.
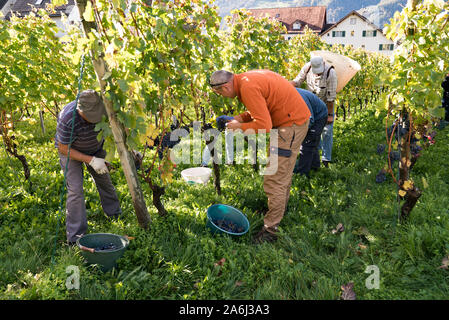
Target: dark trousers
{"x":309,"y":154}
{"x":76,"y":218}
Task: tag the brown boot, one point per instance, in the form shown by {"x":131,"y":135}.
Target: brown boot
{"x":264,"y":236}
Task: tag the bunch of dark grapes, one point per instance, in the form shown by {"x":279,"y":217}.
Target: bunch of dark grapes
{"x":394,"y":156}
{"x":167,"y":143}
{"x":380,"y":148}
{"x":221,"y":124}
{"x":403,"y":130}
{"x":415,"y":149}
{"x":228,"y":225}
{"x":381,"y":176}
{"x":207,"y":126}
{"x":109,"y":246}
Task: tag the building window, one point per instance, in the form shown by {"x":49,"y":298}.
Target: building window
{"x":353,"y":21}
{"x":369,"y":33}
{"x":386,"y":47}
{"x":296,"y":25}
{"x":363,"y":46}
{"x":338,"y":34}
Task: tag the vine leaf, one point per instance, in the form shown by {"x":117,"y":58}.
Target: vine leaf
{"x":408,"y":185}
{"x":424,"y":183}
{"x":88,"y":14}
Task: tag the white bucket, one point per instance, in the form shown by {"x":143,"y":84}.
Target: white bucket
{"x":196,"y":175}
{"x":345,"y":67}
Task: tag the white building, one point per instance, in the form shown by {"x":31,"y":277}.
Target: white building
{"x":357,"y":31}
{"x":24,"y":7}
{"x":5,"y":6}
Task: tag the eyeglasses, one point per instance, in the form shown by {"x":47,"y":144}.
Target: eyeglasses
{"x":217,"y":84}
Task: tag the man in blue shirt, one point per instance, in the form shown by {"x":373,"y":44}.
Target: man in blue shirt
{"x":85,"y":148}
{"x":309,"y":155}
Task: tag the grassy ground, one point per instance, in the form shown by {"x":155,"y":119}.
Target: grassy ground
{"x":178,"y":258}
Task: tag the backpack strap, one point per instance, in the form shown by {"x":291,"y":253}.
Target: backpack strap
{"x":328,"y":71}
{"x":310,"y":67}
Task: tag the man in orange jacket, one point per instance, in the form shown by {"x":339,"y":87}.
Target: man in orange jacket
{"x":271,"y":103}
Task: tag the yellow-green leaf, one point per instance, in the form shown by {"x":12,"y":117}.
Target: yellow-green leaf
{"x":408,"y":185}
{"x":88,"y":14}
{"x":424,"y":183}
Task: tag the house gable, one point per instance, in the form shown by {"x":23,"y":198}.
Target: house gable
{"x":357,"y":31}
{"x":349,"y":18}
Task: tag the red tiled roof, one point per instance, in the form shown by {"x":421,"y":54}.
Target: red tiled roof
{"x":24,"y":7}
{"x":313,"y":17}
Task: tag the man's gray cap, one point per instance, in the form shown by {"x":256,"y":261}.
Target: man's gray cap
{"x":91,"y":105}
{"x":317,"y":65}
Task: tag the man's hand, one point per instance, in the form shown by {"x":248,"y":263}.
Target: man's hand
{"x":99,"y":165}
{"x":330,"y":112}
{"x":233,"y":125}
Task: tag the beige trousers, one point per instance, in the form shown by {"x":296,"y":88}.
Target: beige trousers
{"x":277,"y":185}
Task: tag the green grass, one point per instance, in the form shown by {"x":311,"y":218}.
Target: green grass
{"x":176,"y":258}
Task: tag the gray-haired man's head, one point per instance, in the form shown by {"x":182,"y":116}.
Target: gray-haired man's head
{"x":222,"y":83}
{"x":219,"y":78}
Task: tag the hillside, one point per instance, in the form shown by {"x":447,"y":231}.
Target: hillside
{"x":377,"y":11}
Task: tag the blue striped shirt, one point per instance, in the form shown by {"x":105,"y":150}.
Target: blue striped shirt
{"x":84,"y":137}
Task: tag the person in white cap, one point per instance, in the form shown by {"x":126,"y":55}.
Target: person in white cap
{"x":321,"y":79}
{"x":85,"y":148}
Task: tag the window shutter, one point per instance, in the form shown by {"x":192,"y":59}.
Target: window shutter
{"x":343,"y":34}
{"x":374,"y":33}
{"x":380,"y":47}
{"x":391,"y":46}
{"x":364,"y":33}
{"x":333,"y":34}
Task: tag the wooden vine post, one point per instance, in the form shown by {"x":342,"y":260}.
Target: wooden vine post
{"x":117,"y":128}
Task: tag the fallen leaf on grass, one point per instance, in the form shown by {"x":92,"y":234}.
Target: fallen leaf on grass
{"x":348,"y":292}
{"x":362,"y":246}
{"x":238,"y":283}
{"x":220,"y":262}
{"x":444,"y":263}
{"x":338,"y":228}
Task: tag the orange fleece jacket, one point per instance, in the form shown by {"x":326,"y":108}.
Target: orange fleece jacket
{"x":271,"y":101}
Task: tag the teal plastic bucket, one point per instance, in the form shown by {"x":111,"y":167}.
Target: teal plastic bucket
{"x":103,"y":249}
{"x":223,"y":212}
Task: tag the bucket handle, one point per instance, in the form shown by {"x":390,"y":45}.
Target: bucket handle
{"x":91,"y":250}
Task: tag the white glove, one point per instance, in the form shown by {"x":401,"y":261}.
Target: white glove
{"x":99,"y":165}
